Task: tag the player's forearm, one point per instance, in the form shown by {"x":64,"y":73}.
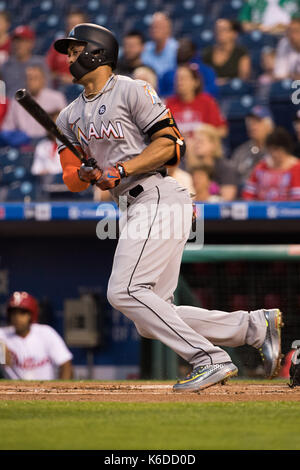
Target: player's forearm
{"x":70,"y":165}
{"x":152,"y":157}
{"x":65,"y":371}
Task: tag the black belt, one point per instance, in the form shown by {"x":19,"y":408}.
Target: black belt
{"x":138,"y":189}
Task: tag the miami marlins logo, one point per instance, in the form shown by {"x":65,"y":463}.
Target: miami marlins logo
{"x":151,"y":93}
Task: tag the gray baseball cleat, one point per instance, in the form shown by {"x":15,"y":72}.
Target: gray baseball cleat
{"x":206,"y":376}
{"x":270,"y":350}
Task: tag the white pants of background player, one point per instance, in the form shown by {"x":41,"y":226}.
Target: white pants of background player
{"x":145,"y":275}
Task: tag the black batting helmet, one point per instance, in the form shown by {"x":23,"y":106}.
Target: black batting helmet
{"x":101,"y":48}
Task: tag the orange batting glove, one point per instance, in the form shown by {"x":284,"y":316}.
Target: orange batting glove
{"x":111,"y":177}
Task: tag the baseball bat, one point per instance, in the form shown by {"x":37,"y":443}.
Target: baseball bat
{"x":39,"y":114}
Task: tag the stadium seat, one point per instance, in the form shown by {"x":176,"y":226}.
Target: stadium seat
{"x":256,"y":40}
{"x":204,"y":39}
{"x":9,"y":156}
{"x":12,"y":156}
{"x":281,"y":91}
{"x":236,"y":87}
{"x":239,"y":107}
{"x":187,"y":9}
{"x":44,"y":42}
{"x":11,"y":173}
{"x":48,"y":24}
{"x":281,"y":104}
{"x":139,"y":7}
{"x":230,"y":9}
{"x":22,"y":191}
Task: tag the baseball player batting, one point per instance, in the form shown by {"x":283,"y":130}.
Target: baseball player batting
{"x":125,"y":127}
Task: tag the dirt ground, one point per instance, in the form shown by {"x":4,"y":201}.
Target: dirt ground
{"x":145,"y":392}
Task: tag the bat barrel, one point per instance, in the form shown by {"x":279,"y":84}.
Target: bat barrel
{"x":39,"y":114}
{"x":20,"y":94}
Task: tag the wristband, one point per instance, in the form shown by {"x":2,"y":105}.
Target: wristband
{"x":121,"y":170}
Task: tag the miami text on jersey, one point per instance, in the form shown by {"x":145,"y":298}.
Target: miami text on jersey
{"x":106,"y":131}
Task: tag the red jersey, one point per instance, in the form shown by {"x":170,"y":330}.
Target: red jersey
{"x":57,"y":62}
{"x":5,"y":50}
{"x":3,"y":110}
{"x":271,"y":184}
{"x":188,"y":116}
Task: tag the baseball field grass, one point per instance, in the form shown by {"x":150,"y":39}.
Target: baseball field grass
{"x":52,"y":425}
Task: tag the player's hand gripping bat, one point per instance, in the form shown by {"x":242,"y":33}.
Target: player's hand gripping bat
{"x":39,"y":114}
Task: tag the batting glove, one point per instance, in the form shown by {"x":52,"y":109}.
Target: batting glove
{"x":89,"y":172}
{"x":111,"y":177}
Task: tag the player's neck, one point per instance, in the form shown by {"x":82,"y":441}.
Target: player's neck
{"x":23,"y":333}
{"x":94,"y":82}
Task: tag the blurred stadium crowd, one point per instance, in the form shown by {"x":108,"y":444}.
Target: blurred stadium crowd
{"x":229,"y":70}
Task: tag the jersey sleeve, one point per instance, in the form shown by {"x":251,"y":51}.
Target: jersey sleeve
{"x":57,"y":349}
{"x":145,"y":106}
{"x":65,"y":127}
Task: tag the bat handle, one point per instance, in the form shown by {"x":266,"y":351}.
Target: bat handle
{"x":91,"y":162}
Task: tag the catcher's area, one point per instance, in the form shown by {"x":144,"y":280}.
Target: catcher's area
{"x":152,"y":392}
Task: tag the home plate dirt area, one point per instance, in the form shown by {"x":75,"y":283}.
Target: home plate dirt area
{"x":151,"y":392}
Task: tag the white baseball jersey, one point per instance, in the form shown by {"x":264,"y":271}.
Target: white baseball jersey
{"x":112,"y":127}
{"x":46,"y":158}
{"x":37,"y":356}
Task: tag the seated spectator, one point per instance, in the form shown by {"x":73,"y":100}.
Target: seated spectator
{"x":266,"y":77}
{"x":18,"y":119}
{"x":297,"y":132}
{"x":287,"y":60}
{"x":161,"y":51}
{"x":58,"y":63}
{"x":146,"y":73}
{"x":191,"y":106}
{"x":206,"y":149}
{"x":33,"y":351}
{"x":245,"y":157}
{"x":269,"y":16}
{"x":13,"y":71}
{"x":205,"y":189}
{"x":228,"y":58}
{"x":46,"y":159}
{"x":133,"y":46}
{"x":5,"y":40}
{"x":267,"y":62}
{"x":182,"y":177}
{"x":277,"y":176}
{"x":187,"y":54}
